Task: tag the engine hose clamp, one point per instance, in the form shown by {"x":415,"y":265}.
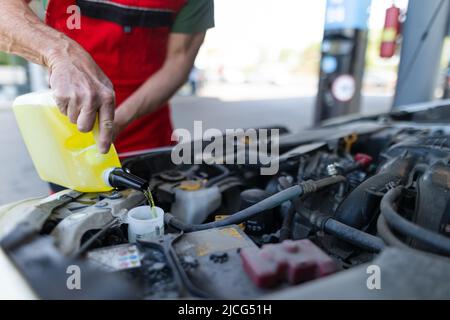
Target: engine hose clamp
{"x":309,"y":186}
{"x":319,"y":220}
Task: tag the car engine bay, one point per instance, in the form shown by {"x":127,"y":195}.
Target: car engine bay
{"x":345,"y":193}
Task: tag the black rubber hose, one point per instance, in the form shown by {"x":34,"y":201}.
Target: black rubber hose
{"x":386,"y":234}
{"x":354,"y":236}
{"x":286,"y":227}
{"x":288,"y":219}
{"x":266,"y":204}
{"x":241,"y":216}
{"x":407,"y":228}
{"x":224,"y":173}
{"x":342,"y":231}
{"x":175,"y":263}
{"x":91,"y":240}
{"x":358,"y":208}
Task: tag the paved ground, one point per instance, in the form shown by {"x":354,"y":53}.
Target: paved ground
{"x":18,"y":179}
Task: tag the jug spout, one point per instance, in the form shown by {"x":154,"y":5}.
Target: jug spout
{"x":119,"y":178}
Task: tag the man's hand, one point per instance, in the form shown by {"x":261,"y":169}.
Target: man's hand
{"x":82,"y":91}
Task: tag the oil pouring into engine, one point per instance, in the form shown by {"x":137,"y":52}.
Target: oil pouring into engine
{"x":149,"y":196}
{"x":64,"y":156}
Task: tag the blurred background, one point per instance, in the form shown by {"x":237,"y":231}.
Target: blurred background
{"x":260,"y":66}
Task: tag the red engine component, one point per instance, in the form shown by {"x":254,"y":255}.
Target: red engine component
{"x":391,"y":31}
{"x":363,"y":159}
{"x":294,"y":261}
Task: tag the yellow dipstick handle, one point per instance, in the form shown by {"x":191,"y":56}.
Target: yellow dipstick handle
{"x":349,"y":141}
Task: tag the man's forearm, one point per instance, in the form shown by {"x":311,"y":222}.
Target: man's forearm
{"x":81,"y":89}
{"x":159,"y":88}
{"x":23,"y":34}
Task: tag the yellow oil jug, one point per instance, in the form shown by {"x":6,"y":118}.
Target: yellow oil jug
{"x":63,"y":155}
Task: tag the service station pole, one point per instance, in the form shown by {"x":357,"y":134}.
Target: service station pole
{"x":343,"y":58}
{"x":424,"y":32}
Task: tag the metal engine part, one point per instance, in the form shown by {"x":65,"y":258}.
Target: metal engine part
{"x":89,"y":213}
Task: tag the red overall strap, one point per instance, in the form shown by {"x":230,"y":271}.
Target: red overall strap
{"x":128,"y":40}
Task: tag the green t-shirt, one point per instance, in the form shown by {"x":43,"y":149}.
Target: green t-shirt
{"x":195,"y":16}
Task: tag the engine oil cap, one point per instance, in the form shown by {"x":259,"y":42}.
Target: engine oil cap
{"x":190,"y":185}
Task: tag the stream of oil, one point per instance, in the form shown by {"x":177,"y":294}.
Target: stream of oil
{"x":148,"y":195}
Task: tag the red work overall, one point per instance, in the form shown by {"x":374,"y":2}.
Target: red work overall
{"x":128,"y":40}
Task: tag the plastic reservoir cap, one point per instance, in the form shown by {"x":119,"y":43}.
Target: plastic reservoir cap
{"x":143,"y":226}
{"x":43,"y":98}
{"x":190,"y":185}
{"x":293,"y":261}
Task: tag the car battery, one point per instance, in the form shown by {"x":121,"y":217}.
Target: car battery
{"x":144,"y":264}
{"x":212,"y":263}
